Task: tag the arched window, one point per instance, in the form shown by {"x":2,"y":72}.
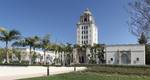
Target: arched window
{"x":85,"y":19}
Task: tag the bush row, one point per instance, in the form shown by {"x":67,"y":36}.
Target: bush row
{"x":106,"y":65}
{"x":120,"y":69}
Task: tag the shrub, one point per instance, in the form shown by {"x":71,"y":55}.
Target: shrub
{"x":119,"y":69}
{"x":24,"y":62}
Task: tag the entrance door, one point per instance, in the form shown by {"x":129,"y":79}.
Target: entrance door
{"x":81,"y":59}
{"x":124,"y":59}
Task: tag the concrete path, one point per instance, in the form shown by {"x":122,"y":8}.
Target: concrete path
{"x":13,"y":72}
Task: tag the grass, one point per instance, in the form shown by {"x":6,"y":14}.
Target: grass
{"x":91,"y":76}
{"x":104,"y":72}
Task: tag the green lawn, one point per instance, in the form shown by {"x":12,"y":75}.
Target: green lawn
{"x":104,"y":72}
{"x":91,"y":76}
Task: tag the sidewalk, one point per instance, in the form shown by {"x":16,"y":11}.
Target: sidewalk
{"x":13,"y":72}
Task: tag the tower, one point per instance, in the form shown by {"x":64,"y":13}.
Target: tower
{"x":87,"y":32}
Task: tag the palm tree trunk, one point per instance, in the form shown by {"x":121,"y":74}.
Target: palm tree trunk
{"x":44,"y":57}
{"x":61,"y":58}
{"x":7,"y":56}
{"x":30,"y":58}
{"x":34,"y":50}
{"x":34,"y":54}
{"x":55,"y":58}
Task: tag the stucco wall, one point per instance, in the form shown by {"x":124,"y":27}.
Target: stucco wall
{"x":137,"y":53}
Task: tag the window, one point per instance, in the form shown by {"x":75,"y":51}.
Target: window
{"x":86,"y":27}
{"x":86,"y":32}
{"x":87,"y":42}
{"x":111,"y":59}
{"x":84,"y":42}
{"x":85,"y":19}
{"x":86,"y":37}
{"x":137,"y":59}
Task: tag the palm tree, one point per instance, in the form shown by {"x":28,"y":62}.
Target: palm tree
{"x":100,"y":52}
{"x":61,"y":51}
{"x":45,"y":42}
{"x":36,"y":43}
{"x":97,"y":50}
{"x":79,"y":49}
{"x":93,"y":51}
{"x":69,"y":50}
{"x":17,"y":54}
{"x":20,"y":43}
{"x":7,"y":36}
{"x":32,"y":42}
{"x":57,"y":49}
{"x":2,"y":29}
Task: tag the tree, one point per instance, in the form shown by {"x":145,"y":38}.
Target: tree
{"x":147,"y":55}
{"x":44,"y":44}
{"x":63,"y":49}
{"x":78,"y":47}
{"x":100,"y":53}
{"x":97,"y":52}
{"x":68,"y":50}
{"x":2,"y":29}
{"x":36,"y":43}
{"x":2,"y":55}
{"x":140,"y":18}
{"x":140,"y":23}
{"x":19,"y":43}
{"x":142,"y":39}
{"x":32,"y":42}
{"x":7,"y":36}
{"x":17,"y":54}
{"x":56,"y":51}
{"x":60,"y":49}
{"x":93,"y":51}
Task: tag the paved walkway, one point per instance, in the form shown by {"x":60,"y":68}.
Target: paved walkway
{"x":13,"y":72}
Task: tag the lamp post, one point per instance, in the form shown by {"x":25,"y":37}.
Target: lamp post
{"x":47,"y":70}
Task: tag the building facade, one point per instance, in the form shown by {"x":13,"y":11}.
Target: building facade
{"x":87,"y":32}
{"x":128,"y":54}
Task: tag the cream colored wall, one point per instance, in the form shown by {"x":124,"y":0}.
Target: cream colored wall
{"x":137,"y":51}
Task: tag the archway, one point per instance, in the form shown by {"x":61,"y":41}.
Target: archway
{"x":124,"y":59}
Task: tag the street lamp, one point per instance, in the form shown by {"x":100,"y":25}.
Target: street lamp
{"x":47,"y":70}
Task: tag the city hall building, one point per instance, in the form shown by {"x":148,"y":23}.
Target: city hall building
{"x":123,"y":54}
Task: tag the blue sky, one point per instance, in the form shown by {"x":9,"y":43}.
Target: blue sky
{"x":59,"y":18}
